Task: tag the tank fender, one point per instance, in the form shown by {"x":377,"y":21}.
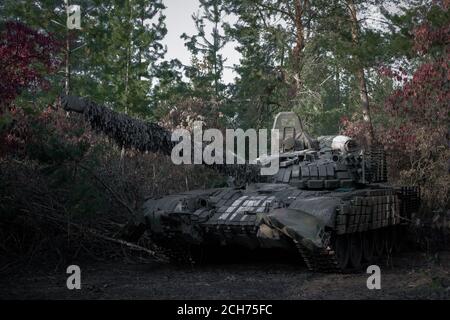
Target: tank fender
{"x":296,"y":225}
{"x":305,"y":220}
{"x":322,"y":208}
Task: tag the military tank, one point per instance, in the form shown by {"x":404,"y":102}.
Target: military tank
{"x":329,"y":202}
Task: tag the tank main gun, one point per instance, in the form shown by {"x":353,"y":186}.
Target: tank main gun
{"x":328,"y":162}
{"x":123,"y":129}
{"x":145,"y":136}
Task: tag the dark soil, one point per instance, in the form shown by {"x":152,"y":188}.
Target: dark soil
{"x":411,"y":275}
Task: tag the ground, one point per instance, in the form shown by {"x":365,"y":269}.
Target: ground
{"x":412,"y":275}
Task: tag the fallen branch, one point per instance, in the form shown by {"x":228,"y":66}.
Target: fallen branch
{"x":111,"y":191}
{"x":93,"y":232}
{"x":129,"y":245}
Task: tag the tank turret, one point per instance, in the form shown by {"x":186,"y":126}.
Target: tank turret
{"x":328,"y":162}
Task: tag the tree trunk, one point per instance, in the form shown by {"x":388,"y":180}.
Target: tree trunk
{"x":67,"y":57}
{"x":67,"y":68}
{"x":363,"y":95}
{"x":127,"y":75}
{"x":128,"y":56}
{"x":362,"y":84}
{"x":338,"y":86}
{"x":299,"y":40}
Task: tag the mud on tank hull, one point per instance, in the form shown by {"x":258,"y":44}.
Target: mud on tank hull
{"x":333,"y":230}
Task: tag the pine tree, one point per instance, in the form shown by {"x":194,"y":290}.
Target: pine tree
{"x":131,"y":54}
{"x":114,"y":57}
{"x":206,"y":69}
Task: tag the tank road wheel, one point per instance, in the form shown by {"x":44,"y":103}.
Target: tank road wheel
{"x":368,"y":246}
{"x":356,"y":250}
{"x":342,"y":251}
{"x":378,"y":243}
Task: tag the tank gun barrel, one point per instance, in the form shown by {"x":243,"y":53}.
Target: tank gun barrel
{"x":144,"y":136}
{"x":123,"y":129}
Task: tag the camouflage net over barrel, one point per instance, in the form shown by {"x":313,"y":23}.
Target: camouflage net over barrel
{"x":146,"y":136}
{"x":127,"y":131}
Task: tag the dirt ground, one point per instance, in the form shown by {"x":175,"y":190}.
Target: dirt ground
{"x":412,"y":275}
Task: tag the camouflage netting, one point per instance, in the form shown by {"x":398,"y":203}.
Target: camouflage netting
{"x":146,"y":136}
{"x":127,"y":131}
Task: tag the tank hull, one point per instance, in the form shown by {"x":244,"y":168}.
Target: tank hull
{"x":332,"y":230}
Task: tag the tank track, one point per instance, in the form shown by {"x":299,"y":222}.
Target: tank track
{"x":377,"y":210}
{"x":323,"y":260}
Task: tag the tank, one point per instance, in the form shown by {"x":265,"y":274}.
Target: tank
{"x":329,"y":203}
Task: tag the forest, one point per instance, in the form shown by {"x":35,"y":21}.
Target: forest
{"x":375,"y":70}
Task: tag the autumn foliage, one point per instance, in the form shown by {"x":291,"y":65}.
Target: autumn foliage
{"x":413,"y":122}
{"x":27,"y":56}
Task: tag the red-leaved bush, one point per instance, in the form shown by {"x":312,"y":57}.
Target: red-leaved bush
{"x":26,"y":56}
{"x":413,"y":125}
